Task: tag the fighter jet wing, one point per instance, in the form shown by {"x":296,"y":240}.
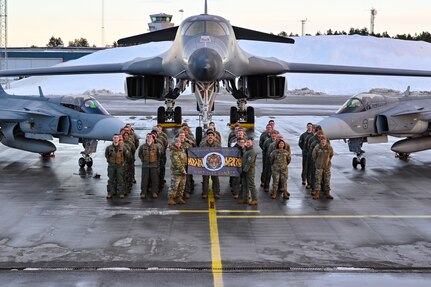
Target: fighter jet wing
{"x":138,"y":66}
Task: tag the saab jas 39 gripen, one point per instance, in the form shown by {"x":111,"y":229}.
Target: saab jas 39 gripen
{"x":30,"y":122}
{"x":371,"y":118}
{"x":205,"y":54}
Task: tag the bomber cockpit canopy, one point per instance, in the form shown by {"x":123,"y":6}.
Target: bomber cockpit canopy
{"x":84,"y":105}
{"x":198,"y":25}
{"x":361,"y":103}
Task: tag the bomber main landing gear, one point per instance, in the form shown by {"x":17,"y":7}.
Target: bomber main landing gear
{"x":170,"y":114}
{"x":241,"y":113}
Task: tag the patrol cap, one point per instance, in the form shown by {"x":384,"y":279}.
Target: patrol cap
{"x":210,"y":132}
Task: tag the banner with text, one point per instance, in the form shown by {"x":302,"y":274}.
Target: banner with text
{"x":217,"y":161}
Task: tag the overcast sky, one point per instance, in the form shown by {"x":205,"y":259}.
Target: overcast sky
{"x":34,"y":22}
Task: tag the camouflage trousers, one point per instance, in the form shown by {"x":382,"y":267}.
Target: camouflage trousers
{"x":279,"y":181}
{"x":129,"y":173}
{"x":215,"y":186}
{"x":304,"y":168}
{"x":267,"y":176}
{"x":248,"y":187}
{"x":178,"y":183}
{"x":115,"y":179}
{"x":322,"y":179}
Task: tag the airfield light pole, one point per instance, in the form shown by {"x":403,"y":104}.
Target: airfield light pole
{"x":303,"y":27}
{"x":373,"y":17}
{"x":103,"y":23}
{"x":3,"y":37}
{"x":182,"y":12}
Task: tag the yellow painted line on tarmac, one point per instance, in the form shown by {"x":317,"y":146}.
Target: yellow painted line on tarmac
{"x":217,"y":268}
{"x":324,"y":216}
{"x":192,"y":211}
{"x":237,"y":211}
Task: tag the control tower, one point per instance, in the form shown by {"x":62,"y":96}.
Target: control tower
{"x":160,"y":21}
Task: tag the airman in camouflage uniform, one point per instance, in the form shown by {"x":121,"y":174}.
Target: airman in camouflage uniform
{"x":267,"y":161}
{"x":129,"y":165}
{"x":248,"y":189}
{"x":115,"y":155}
{"x":187,"y":141}
{"x":280,"y":159}
{"x":210,"y":142}
{"x":150,"y":154}
{"x":322,"y":156}
{"x":236,"y":180}
{"x":310,"y":144}
{"x":178,"y":171}
{"x":263,"y":137}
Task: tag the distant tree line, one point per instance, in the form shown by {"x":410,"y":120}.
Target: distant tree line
{"x":424,"y":36}
{"x":57,"y":42}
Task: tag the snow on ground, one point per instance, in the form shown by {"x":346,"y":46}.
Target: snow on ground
{"x":338,"y":50}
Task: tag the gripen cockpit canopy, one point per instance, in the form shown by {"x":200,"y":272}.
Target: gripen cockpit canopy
{"x":87,"y":105}
{"x":361,"y":103}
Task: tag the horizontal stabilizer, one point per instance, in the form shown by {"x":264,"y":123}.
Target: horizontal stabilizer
{"x":167,"y":34}
{"x":247,"y":34}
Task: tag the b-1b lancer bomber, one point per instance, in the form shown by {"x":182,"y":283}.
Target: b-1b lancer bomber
{"x":205,"y":55}
{"x":372,"y":118}
{"x":30,"y":122}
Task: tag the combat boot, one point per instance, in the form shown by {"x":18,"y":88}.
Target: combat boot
{"x":253,"y":202}
{"x":180,"y":200}
{"x":274,"y":194}
{"x":143,"y":195}
{"x":315,"y":194}
{"x":187,"y":195}
{"x":171,"y":200}
{"x":328,"y":195}
{"x":155,"y":195}
{"x":286,"y":194}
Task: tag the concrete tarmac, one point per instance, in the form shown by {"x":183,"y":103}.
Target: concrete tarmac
{"x":56,"y":223}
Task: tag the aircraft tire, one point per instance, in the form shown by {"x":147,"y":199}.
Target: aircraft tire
{"x":363,"y":162}
{"x":198,"y":135}
{"x":89,"y":162}
{"x":355,"y":162}
{"x":161,"y":115}
{"x":81,"y":162}
{"x":250,"y":115}
{"x":178,"y":115}
{"x":233,"y":115}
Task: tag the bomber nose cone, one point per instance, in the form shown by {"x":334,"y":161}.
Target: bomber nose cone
{"x":335,"y":128}
{"x":205,"y":65}
{"x":106,"y":128}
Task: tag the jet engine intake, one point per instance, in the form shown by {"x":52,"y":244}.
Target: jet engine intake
{"x":263,"y":87}
{"x":399,"y":125}
{"x":148,"y":87}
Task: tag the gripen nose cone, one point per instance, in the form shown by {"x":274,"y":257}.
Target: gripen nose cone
{"x":205,"y":65}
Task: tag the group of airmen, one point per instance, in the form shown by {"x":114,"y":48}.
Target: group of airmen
{"x":276,"y":156}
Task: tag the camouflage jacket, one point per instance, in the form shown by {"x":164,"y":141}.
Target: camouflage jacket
{"x":322,"y":156}
{"x":116,"y":154}
{"x":280,"y":159}
{"x":178,"y":160}
{"x":302,"y":141}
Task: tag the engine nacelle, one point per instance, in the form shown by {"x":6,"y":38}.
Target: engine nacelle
{"x":148,"y":87}
{"x":263,"y":87}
